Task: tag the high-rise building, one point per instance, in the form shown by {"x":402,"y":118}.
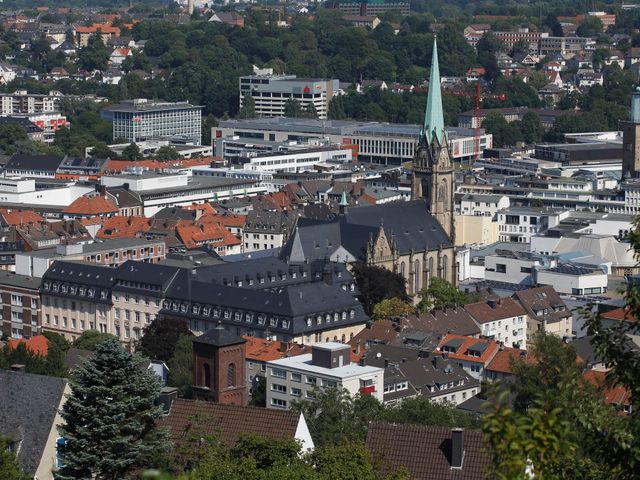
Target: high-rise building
{"x":141,"y":119}
{"x":433,"y":163}
{"x":630,"y":137}
{"x":271,"y":92}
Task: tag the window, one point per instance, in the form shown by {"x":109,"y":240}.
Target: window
{"x":16,"y":300}
{"x":17,"y":317}
{"x":311,"y":380}
{"x":296,"y":377}
{"x":276,"y":387}
{"x":501,"y":268}
{"x":34,"y":303}
{"x":231,"y":375}
{"x":279,"y":403}
{"x":278,"y":373}
{"x":525,"y":270}
{"x":296,"y":392}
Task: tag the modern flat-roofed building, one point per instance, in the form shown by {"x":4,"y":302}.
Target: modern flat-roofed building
{"x":384,"y":143}
{"x":21,"y":102}
{"x":328,"y":365}
{"x":373,"y":7}
{"x":142,"y":119}
{"x":271,"y":92}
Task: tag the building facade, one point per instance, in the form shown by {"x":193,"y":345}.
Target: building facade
{"x":270,"y":93}
{"x":142,"y":119}
{"x":21,"y":313}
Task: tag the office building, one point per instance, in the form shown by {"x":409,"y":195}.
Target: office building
{"x":384,"y":143}
{"x":142,"y":119}
{"x":271,"y":92}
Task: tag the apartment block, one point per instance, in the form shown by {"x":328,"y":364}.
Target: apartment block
{"x":327,"y":366}
{"x":271,"y":92}
{"x":20,"y":304}
{"x":20,"y":102}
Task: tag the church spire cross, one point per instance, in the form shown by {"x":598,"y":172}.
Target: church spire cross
{"x":434,"y":116}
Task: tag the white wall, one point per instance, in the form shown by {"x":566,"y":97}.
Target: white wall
{"x":565,"y":284}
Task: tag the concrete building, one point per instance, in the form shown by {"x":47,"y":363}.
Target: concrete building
{"x":20,"y":102}
{"x":373,"y":7}
{"x":382,"y":143}
{"x":271,"y":92}
{"x":503,"y":320}
{"x":142,"y":119}
{"x":328,"y":365}
{"x":20,"y":306}
{"x":518,"y":224}
{"x":29,"y":191}
{"x":296,"y":161}
{"x":631,"y":143}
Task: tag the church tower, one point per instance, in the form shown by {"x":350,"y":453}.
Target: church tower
{"x":432,"y":162}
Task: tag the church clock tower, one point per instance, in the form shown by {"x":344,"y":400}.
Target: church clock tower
{"x":432,"y":162}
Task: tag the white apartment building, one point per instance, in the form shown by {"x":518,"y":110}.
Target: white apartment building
{"x":504,"y":320}
{"x":297,"y":161}
{"x":21,"y":102}
{"x":271,"y":92}
{"x":327,"y":366}
{"x":480,"y":205}
{"x":519,"y":224}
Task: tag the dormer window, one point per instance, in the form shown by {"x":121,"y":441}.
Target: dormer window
{"x":285,"y":324}
{"x":237,"y":317}
{"x":206,"y":311}
{"x":319,"y":319}
{"x":261,"y":319}
{"x":175,"y":306}
{"x":248,"y":318}
{"x":64,"y":289}
{"x":73,"y":290}
{"x":336,"y":317}
{"x":183,"y":308}
{"x":273,"y":322}
{"x":216,"y":312}
{"x":227,"y":314}
{"x":327,"y":317}
{"x":196,"y":309}
{"x":352,"y":314}
{"x":309,"y":321}
{"x":91,"y":293}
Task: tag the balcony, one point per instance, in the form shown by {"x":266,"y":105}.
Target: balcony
{"x":368,"y":389}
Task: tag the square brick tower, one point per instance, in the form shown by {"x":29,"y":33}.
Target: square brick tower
{"x":219,"y":367}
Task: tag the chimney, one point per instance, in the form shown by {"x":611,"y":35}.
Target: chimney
{"x":166,"y":398}
{"x":457,"y":447}
{"x":358,"y":348}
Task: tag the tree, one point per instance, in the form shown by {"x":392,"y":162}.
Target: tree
{"x":95,"y":56}
{"x":390,"y":308}
{"x":132,"y":152}
{"x":161,"y":337}
{"x":292,"y":108}
{"x":310,"y":111}
{"x":90,"y":339}
{"x":440,"y":294}
{"x":377,"y":283}
{"x":101,"y":150}
{"x":259,"y":392}
{"x":504,"y":133}
{"x":11,"y":135}
{"x":248,"y":109}
{"x":591,"y":26}
{"x":531,"y":127}
{"x":9,"y":463}
{"x":181,"y":366}
{"x":167,"y":153}
{"x":110,"y":419}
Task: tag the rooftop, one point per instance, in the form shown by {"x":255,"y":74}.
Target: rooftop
{"x":304,"y":363}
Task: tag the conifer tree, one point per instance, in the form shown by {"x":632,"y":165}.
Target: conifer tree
{"x":110,"y":417}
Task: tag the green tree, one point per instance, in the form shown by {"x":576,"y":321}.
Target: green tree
{"x":90,"y":339}
{"x":181,"y":366}
{"x":110,"y":419}
{"x":390,"y":308}
{"x":248,"y":109}
{"x":531,"y":127}
{"x":440,"y":294}
{"x":11,"y":136}
{"x":591,"y":26}
{"x":376,"y":284}
{"x":132,"y":152}
{"x":95,"y":56}
{"x":259,"y":392}
{"x":504,"y":133}
{"x":167,"y":153}
{"x":160,"y":338}
{"x":292,"y":108}
{"x":310,"y":111}
{"x":9,"y":463}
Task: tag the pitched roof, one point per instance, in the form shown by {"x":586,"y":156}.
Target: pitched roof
{"x":29,"y":407}
{"x":34,"y":162}
{"x":37,"y":344}
{"x":219,"y":337}
{"x":613,"y":394}
{"x":501,"y":363}
{"x":443,"y":322}
{"x":226,"y":219}
{"x":493,"y":310}
{"x":620,"y":314}
{"x":12,"y":216}
{"x":540,"y":298}
{"x":230,"y":422}
{"x":98,"y":26}
{"x":488,"y":348}
{"x":263,"y":350}
{"x":194,"y":236}
{"x":425,"y":451}
{"x":119,"y":227}
{"x":91,"y":205}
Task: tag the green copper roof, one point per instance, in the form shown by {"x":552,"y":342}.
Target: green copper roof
{"x":433,"y":117}
{"x":343,"y":200}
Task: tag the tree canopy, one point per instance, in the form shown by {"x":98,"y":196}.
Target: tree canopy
{"x":160,"y":338}
{"x":376,"y":284}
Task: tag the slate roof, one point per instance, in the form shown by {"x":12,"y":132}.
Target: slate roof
{"x":133,"y":276}
{"x":219,"y":337}
{"x":21,"y":161}
{"x":408,"y":224}
{"x":491,"y":311}
{"x":124,"y":197}
{"x":541,"y":298}
{"x":193,"y":418}
{"x":444,"y":321}
{"x":29,"y":405}
{"x":425,"y":451}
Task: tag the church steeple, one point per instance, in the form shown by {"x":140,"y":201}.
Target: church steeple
{"x":434,"y":116}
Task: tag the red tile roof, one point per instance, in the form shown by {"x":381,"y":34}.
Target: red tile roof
{"x":123,"y":227}
{"x":615,"y":395}
{"x":99,"y":26}
{"x":91,"y":205}
{"x":194,"y":236}
{"x":260,"y":349}
{"x":38,"y":344}
{"x":228,"y":422}
{"x":226,"y":220}
{"x":425,"y":451}
{"x":501,"y":363}
{"x":18,"y":217}
{"x":461,"y":354}
{"x":493,"y":310}
{"x":619,"y":314}
{"x":122,"y":165}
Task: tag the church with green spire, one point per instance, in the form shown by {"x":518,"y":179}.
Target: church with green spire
{"x":433,"y":177}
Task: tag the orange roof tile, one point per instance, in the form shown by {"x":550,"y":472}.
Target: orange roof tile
{"x":226,"y":220}
{"x":91,"y":205}
{"x":18,"y":217}
{"x":620,"y":314}
{"x":502,"y":361}
{"x":616,"y":394}
{"x":263,"y":350}
{"x":122,"y":165}
{"x":461,"y":354}
{"x":99,"y":26}
{"x":194,"y":236}
{"x":38,"y":344}
{"x":123,"y":227}
{"x":204,"y":207}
